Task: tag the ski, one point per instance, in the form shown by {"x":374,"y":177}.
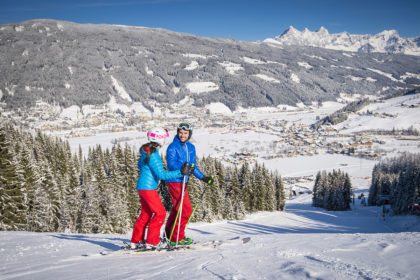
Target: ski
{"x":205,"y":245}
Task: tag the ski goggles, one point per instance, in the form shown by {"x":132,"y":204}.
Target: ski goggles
{"x":185,"y":126}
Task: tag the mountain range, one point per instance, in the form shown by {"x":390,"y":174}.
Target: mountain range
{"x":66,"y":64}
{"x":387,"y":41}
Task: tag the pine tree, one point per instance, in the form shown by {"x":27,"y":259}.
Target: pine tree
{"x":31,"y":180}
{"x":280,"y":194}
{"x":247,"y":188}
{"x":316,"y":190}
{"x":269,"y":190}
{"x":71,"y":199}
{"x":332,"y":191}
{"x":12,"y":200}
{"x":214,"y":195}
{"x":228,"y":211}
{"x":237,"y":202}
{"x":258,"y":183}
{"x":118,"y":204}
{"x":91,"y":218}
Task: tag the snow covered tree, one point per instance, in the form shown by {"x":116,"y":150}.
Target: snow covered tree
{"x":399,"y":178}
{"x":71,"y":199}
{"x":12,"y":199}
{"x":269,"y":190}
{"x":279,"y":193}
{"x":332,"y":191}
{"x":236,"y":196}
{"x":246,"y":185}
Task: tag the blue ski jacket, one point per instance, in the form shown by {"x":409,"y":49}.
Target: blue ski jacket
{"x":179,"y":153}
{"x":153,"y":171}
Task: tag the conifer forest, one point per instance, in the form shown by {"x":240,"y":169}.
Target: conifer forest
{"x":44,"y":187}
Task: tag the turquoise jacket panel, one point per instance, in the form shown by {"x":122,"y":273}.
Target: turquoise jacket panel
{"x":153,"y":171}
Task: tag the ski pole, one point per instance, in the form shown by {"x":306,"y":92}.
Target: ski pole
{"x":180,"y":211}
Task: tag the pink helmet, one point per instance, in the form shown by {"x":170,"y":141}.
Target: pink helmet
{"x":158,"y":135}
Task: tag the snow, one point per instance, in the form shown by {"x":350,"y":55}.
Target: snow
{"x":252,"y":60}
{"x":344,"y":41}
{"x":231,"y":67}
{"x":200,"y":87}
{"x":410,"y":75}
{"x":114,"y":106}
{"x":148,"y":72}
{"x":175,"y":89}
{"x":305,"y":65}
{"x":384,"y":74}
{"x":353,"y":78}
{"x":295,"y":78}
{"x":389,"y":115}
{"x":346,"y":97}
{"x":302,"y":242}
{"x":119,"y":88}
{"x":138,"y":108}
{"x":315,"y":56}
{"x":267,"y":78}
{"x":72,"y":112}
{"x":285,"y":107}
{"x":161,"y":80}
{"x":218,"y":108}
{"x":192,"y":55}
{"x":185,"y":101}
{"x":19,"y":28}
{"x":193,"y":65}
{"x":357,"y":79}
{"x":10,"y":90}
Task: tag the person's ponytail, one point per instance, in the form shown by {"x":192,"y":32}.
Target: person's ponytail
{"x":150,"y":148}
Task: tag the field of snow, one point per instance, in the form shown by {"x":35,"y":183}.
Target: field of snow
{"x":399,"y":113}
{"x":301,"y":243}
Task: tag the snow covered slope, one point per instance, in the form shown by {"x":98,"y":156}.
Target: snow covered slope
{"x":301,"y":243}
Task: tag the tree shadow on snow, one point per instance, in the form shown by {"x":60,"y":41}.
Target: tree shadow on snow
{"x":100,"y":241}
{"x":308,"y":219}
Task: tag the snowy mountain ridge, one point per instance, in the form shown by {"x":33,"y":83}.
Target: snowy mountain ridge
{"x":387,"y":41}
{"x":72,"y":64}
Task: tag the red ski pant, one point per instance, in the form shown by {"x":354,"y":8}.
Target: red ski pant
{"x":152,"y":214}
{"x":175,"y":191}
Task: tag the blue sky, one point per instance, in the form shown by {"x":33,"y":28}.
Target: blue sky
{"x":236,"y":19}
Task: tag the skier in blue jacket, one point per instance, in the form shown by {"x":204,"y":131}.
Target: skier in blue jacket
{"x":151,"y":171}
{"x":179,"y":152}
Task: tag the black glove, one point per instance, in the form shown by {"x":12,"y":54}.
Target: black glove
{"x":209,"y":180}
{"x":187,"y":170}
{"x":192,"y":167}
